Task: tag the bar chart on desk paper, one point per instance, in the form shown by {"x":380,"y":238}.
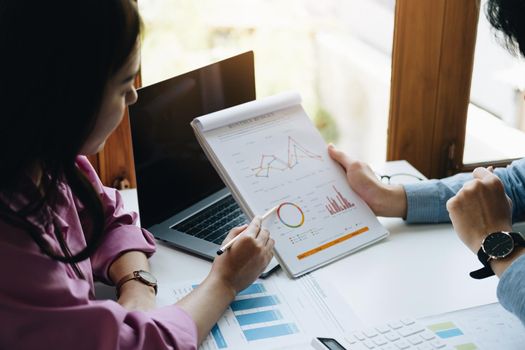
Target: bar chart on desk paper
{"x":256,"y":316}
{"x":276,"y":313}
{"x":259,"y":314}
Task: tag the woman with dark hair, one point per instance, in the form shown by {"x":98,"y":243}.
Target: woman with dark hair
{"x":481,"y":205}
{"x":68,"y":73}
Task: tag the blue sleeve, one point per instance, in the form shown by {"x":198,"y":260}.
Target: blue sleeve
{"x":513,"y":178}
{"x":426,"y":200}
{"x":511,"y":288}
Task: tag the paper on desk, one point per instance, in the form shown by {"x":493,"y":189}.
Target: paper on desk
{"x":486,"y":327}
{"x":275,"y":313}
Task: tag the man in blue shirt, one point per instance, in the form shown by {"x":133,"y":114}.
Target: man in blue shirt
{"x":481,"y":205}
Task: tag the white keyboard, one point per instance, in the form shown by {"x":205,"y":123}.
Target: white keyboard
{"x":405,"y":334}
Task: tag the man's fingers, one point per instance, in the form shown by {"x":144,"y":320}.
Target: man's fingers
{"x":482,"y":173}
{"x":339,"y":156}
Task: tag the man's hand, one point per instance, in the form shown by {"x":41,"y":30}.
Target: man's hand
{"x":384,"y":200}
{"x":479,"y":208}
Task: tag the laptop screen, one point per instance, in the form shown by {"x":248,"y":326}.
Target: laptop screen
{"x":172,"y":171}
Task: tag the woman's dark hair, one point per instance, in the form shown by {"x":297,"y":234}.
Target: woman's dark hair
{"x":507,"y":16}
{"x":56,"y":58}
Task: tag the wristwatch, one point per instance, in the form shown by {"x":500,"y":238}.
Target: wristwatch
{"x":497,"y":245}
{"x":140,"y":276}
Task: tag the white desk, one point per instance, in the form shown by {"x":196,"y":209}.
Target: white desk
{"x":418,"y":270}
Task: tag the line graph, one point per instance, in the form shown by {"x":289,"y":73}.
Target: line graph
{"x":296,"y":151}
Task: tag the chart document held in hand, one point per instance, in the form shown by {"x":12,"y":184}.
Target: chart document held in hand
{"x":269,"y":154}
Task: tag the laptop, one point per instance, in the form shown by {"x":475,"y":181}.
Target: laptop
{"x":182,"y":200}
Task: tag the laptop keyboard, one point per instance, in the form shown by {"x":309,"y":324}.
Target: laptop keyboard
{"x":213,"y":223}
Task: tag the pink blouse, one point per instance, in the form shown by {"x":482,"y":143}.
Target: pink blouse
{"x":43,"y":304}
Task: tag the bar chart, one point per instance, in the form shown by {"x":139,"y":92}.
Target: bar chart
{"x":338,"y":203}
{"x":273,"y":314}
{"x":256,"y":312}
{"x":258,"y":315}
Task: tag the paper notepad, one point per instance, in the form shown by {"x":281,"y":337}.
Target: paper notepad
{"x":268,"y":153}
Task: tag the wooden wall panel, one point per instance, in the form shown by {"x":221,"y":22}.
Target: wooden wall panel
{"x":432,"y":60}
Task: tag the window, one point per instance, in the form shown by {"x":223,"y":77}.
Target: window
{"x":495,"y":121}
{"x":338,"y":59}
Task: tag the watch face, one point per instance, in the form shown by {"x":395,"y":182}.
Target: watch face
{"x":148,"y":277}
{"x":498,"y":245}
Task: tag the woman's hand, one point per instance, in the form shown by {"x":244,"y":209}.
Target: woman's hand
{"x":246,"y":259}
{"x":231,"y":272}
{"x":384,"y":200}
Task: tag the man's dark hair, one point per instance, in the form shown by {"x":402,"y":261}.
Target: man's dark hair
{"x":56,"y":58}
{"x":508,"y":17}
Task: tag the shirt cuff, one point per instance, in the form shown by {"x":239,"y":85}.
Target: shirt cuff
{"x":424,"y":203}
{"x":511,"y":288}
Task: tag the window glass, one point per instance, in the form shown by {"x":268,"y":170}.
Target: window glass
{"x":496,"y":118}
{"x":336,"y":53}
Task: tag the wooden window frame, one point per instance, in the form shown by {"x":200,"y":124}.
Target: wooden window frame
{"x":432,"y":63}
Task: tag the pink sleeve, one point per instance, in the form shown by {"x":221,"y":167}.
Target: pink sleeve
{"x":44,"y":307}
{"x":121,"y":231}
{"x":104,"y":325}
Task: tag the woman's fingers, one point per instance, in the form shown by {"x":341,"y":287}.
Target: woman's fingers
{"x":234,"y":232}
{"x":254,"y":227}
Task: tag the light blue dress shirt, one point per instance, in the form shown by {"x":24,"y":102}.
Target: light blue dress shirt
{"x":427,"y":200}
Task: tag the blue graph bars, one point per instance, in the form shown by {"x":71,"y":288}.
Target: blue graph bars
{"x":219,"y":338}
{"x":256,"y":324}
{"x":259,"y":317}
{"x":270,"y":331}
{"x":252,"y":303}
{"x":253,"y":289}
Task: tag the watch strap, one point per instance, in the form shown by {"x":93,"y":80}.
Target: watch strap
{"x":482,"y":273}
{"x":486,"y":270}
{"x":519,"y":238}
{"x":133,"y":276}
